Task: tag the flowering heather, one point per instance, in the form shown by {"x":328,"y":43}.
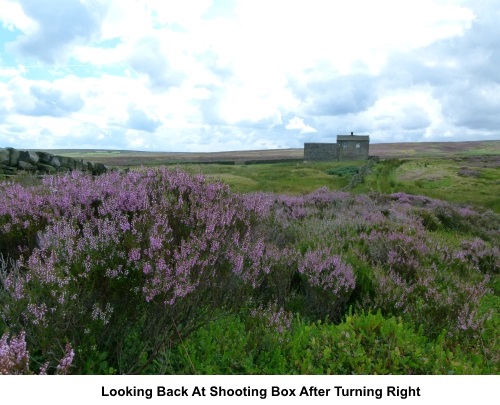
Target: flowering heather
{"x":65,"y":363}
{"x":435,"y":299}
{"x":155,"y":237}
{"x":402,"y":252}
{"x":275,"y":318}
{"x":15,"y":359}
{"x":125,"y":265}
{"x":327,"y":271}
{"x":482,"y":257}
{"x":328,"y":282}
{"x":466,"y":172}
{"x":412,"y":270}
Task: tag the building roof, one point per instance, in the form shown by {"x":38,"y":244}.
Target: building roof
{"x":353,"y":138}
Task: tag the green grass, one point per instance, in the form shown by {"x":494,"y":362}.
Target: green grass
{"x":290,"y":178}
{"x":437,"y":178}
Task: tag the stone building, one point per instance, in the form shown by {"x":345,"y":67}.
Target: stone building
{"x":348,"y":147}
{"x":353,"y":147}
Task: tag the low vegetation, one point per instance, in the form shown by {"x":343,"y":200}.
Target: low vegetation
{"x":343,"y":171}
{"x":290,"y":178}
{"x":165,"y":271}
{"x":472,"y":181}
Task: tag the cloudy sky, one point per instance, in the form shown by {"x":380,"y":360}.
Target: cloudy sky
{"x":213,"y":75}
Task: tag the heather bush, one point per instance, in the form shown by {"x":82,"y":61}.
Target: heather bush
{"x":466,"y":172}
{"x":268,"y":329}
{"x":398,"y":263}
{"x":435,"y":299}
{"x":127,"y":260}
{"x":329,"y":281}
{"x":15,"y":358}
{"x":400,"y":252}
{"x":271,"y":322}
{"x":437,"y":214}
{"x":280,"y":271}
{"x":479,"y":255}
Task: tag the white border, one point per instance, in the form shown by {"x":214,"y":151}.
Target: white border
{"x":88,"y":389}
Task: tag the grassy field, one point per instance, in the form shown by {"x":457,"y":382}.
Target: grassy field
{"x":289,"y":178}
{"x":468,"y":180}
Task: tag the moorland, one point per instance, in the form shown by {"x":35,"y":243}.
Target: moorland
{"x":255,"y":262}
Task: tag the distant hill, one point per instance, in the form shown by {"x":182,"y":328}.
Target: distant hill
{"x":416,"y":149}
{"x":384,"y":150}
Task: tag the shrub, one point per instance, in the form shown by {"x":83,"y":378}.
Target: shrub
{"x":328,"y":280}
{"x":436,"y":298}
{"x":371,"y":344}
{"x":126,"y":264}
{"x":466,"y":172}
{"x":364,"y":343}
{"x":15,"y":358}
{"x":343,"y":171}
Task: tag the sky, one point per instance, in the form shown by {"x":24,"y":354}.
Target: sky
{"x":223,"y":75}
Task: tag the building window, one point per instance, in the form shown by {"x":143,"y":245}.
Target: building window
{"x":358,"y":145}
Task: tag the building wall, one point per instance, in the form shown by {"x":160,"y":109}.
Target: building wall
{"x":353,"y":150}
{"x":314,"y":152}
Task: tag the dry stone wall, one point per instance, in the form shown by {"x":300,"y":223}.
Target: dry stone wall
{"x":363,"y":171}
{"x":318,"y":152}
{"x":13,"y":161}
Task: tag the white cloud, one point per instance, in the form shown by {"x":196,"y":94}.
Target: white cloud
{"x":75,"y":22}
{"x":185,"y":13}
{"x":127,"y":20}
{"x":217,"y":75}
{"x":302,"y":33}
{"x":298,"y":123}
{"x":14,"y":18}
